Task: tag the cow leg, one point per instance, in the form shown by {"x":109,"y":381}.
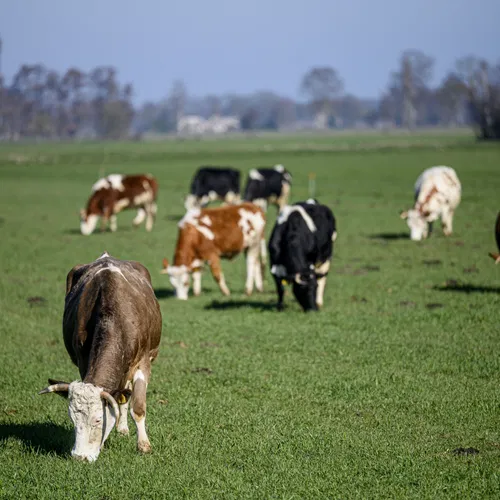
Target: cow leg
{"x":122,"y":426}
{"x":281,"y":291}
{"x":138,"y":410}
{"x":113,"y":224}
{"x":149,"y":218}
{"x":218,"y":275}
{"x":263,"y":257}
{"x":196,"y":283}
{"x":141,"y":215}
{"x":323,"y":269}
{"x":447,"y":221}
{"x":253,"y":269}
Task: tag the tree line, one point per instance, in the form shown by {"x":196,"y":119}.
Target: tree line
{"x":43,"y":103}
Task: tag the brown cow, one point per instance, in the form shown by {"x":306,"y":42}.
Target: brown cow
{"x":209,"y":234}
{"x":111,"y":327}
{"x":496,"y":256}
{"x":116,"y":192}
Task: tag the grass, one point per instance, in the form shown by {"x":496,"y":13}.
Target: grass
{"x":367,"y":399}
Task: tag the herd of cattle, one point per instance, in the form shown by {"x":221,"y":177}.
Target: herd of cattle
{"x":112,"y":321}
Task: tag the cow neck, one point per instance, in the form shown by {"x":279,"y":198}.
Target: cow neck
{"x":184,"y":250}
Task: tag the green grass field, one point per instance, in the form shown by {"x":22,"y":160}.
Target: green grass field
{"x":367,"y":399}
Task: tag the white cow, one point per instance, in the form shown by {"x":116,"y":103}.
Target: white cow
{"x":437,"y":194}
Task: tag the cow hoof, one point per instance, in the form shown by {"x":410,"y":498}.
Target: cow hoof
{"x":144,"y":447}
{"x":123,"y":431}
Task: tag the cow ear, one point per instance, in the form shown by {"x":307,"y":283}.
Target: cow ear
{"x":403,"y":214}
{"x":123,"y":396}
{"x":165,"y":267}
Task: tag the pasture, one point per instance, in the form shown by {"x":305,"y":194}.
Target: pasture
{"x":392,"y":391}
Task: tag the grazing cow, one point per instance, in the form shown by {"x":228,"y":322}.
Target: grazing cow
{"x":213,"y":183}
{"x":496,"y":256}
{"x":112,"y":327}
{"x":300,"y":251}
{"x":209,"y":234}
{"x":437,"y":195}
{"x":268,"y":185}
{"x":116,"y":192}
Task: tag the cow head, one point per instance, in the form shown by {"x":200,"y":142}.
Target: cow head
{"x":419,"y":227}
{"x":93,"y":412}
{"x":304,"y":288}
{"x":87,"y":222}
{"x":179,"y":278}
{"x":190,"y":202}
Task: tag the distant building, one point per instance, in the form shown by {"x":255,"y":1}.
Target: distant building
{"x":197,"y":125}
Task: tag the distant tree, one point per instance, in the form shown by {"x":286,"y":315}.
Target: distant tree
{"x":451,"y":96}
{"x":482,"y":81}
{"x":322,"y":85}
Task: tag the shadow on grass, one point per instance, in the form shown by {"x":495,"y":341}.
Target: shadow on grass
{"x":454,"y":286}
{"x":389,"y":236}
{"x":218,"y":305}
{"x":173,"y":217}
{"x":164,"y":293}
{"x":40,"y":437}
{"x":97,"y":232}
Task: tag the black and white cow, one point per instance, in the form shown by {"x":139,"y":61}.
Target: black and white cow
{"x":300,"y":251}
{"x":268,"y":186}
{"x":213,"y":183}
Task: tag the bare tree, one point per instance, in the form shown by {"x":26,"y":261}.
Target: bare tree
{"x":322,"y":85}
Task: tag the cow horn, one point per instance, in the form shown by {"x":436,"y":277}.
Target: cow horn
{"x":111,"y":400}
{"x":63,"y":387}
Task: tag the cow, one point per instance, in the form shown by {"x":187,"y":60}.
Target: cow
{"x":209,"y":234}
{"x":437,"y":194}
{"x":268,"y":186}
{"x":300,"y":251}
{"x":114,"y":193}
{"x":111,"y":327}
{"x":496,"y":256}
{"x":213,"y":183}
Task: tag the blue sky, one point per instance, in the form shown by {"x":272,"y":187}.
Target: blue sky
{"x":221,"y":46}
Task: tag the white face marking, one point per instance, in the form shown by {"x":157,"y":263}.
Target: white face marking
{"x":191,"y":202}
{"x":88,"y":226}
{"x":289,"y":209}
{"x":179,"y":278}
{"x":255,"y":174}
{"x":252,"y":225}
{"x":92,"y":418}
{"x":417,"y":224}
{"x":139,"y":375}
{"x":121,"y":204}
{"x":279,"y":271}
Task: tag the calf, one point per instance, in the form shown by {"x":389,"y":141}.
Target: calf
{"x":209,"y":234}
{"x":300,"y":251}
{"x":437,"y":195}
{"x":496,"y":256}
{"x":213,"y":183}
{"x":111,"y":327}
{"x":114,"y":193}
{"x":268,"y":185}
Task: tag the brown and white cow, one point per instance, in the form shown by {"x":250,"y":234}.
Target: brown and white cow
{"x":209,"y":234}
{"x":114,"y":193}
{"x":437,"y":194}
{"x":496,"y":256}
{"x":112,"y":328}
